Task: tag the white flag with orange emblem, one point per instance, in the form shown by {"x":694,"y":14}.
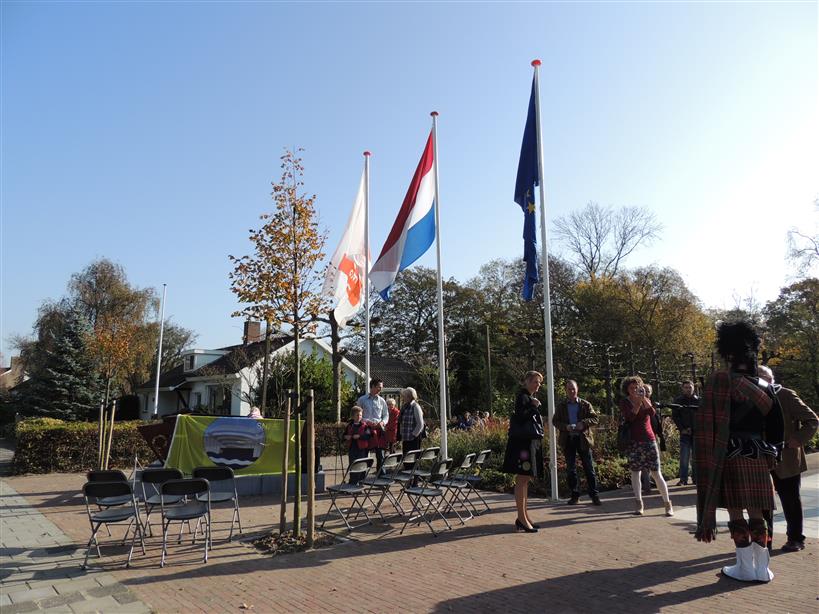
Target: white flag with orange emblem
{"x":345,"y":273}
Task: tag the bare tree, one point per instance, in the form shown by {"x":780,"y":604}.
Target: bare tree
{"x":803,"y":249}
{"x":600,"y":238}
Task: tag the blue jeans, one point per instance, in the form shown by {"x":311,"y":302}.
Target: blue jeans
{"x":686,"y":445}
{"x":574,"y":449}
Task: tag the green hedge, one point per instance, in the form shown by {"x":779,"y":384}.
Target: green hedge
{"x":45,"y":445}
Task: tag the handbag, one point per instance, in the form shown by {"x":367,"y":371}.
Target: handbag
{"x":624,"y":436}
{"x":529,"y":427}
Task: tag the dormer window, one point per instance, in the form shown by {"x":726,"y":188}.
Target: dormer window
{"x":189,"y":360}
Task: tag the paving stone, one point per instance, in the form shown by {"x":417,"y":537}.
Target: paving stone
{"x":32,"y":594}
{"x":14,"y":608}
{"x":61,"y":600}
{"x":4,"y":600}
{"x":81,"y":584}
{"x":126,"y":597}
{"x":102,"y":604}
{"x":111,"y":589}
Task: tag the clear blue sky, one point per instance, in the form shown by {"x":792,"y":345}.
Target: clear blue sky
{"x":148,"y":133}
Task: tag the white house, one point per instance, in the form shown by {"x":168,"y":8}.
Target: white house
{"x":221,"y":380}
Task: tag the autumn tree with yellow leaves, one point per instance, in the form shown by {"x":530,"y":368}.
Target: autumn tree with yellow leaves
{"x":280,"y":282}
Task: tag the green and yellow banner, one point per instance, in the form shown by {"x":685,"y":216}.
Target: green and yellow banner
{"x":246,"y":445}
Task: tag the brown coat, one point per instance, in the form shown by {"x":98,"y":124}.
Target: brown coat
{"x":585,"y":416}
{"x":800,"y":424}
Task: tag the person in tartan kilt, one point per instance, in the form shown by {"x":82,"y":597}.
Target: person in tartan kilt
{"x":739,"y":432}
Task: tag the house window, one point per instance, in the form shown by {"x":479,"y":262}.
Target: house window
{"x":197,"y":400}
{"x":189,"y":362}
{"x":219,"y":398}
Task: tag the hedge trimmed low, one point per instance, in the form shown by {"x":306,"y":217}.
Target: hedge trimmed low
{"x":45,"y":445}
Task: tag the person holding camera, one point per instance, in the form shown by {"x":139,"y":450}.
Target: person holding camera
{"x":683,"y":416}
{"x":574,"y":419}
{"x":643,"y":454}
{"x":524,"y":447}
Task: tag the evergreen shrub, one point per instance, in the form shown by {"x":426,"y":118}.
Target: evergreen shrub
{"x":46,"y":445}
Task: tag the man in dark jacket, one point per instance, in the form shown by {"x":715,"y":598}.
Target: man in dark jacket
{"x":574,"y":419}
{"x":683,"y":416}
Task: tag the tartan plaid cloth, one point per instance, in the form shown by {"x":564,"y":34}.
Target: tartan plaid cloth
{"x":746,"y":483}
{"x":711,"y":439}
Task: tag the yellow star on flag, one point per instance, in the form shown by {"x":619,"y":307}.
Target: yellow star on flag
{"x":531,"y":207}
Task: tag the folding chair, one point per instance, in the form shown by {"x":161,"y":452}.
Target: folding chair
{"x":219,"y":478}
{"x":475,"y":479}
{"x":408,"y":462}
{"x":426,"y":457}
{"x":155,"y":478}
{"x":110,"y":475}
{"x":356,"y":491}
{"x":96,"y":491}
{"x":385,"y":481}
{"x":431,"y":494}
{"x":195,"y":493}
{"x":456,"y":486}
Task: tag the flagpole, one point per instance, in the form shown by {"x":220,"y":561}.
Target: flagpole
{"x":367,"y":270}
{"x":441,"y":347}
{"x":547,"y":305}
{"x":159,"y":351}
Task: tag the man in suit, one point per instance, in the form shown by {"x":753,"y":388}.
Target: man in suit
{"x":574,"y":419}
{"x":800,"y":425}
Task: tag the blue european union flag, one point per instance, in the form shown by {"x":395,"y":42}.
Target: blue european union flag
{"x":525,"y":197}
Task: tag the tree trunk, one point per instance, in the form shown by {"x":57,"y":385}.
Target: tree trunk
{"x":297,"y":459}
{"x":263,"y":408}
{"x":311,"y":474}
{"x":336,"y":360}
{"x":285,"y":460}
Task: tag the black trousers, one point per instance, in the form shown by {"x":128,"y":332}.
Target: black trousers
{"x":788,"y":489}
{"x":574,"y":448}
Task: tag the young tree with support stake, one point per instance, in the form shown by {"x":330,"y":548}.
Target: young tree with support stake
{"x":280,"y":281}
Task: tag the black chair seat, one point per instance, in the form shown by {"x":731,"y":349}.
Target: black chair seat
{"x":169,"y":500}
{"x":451,"y":483}
{"x":216,"y":497}
{"x":350,"y":489}
{"x":188,"y":511}
{"x":424,"y":492}
{"x":378,"y":482}
{"x":111,"y":501}
{"x":116,"y":514}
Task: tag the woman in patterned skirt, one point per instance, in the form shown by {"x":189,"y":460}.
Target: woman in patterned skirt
{"x":643,"y":455}
{"x":739,"y":432}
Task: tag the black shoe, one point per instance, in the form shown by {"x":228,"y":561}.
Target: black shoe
{"x":535,"y":526}
{"x":597,"y":501}
{"x":793,"y":546}
{"x":519,"y":526}
{"x":573,"y":500}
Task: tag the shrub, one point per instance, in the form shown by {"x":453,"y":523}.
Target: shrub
{"x":47,"y":444}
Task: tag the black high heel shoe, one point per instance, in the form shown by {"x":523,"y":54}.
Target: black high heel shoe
{"x":519,"y":526}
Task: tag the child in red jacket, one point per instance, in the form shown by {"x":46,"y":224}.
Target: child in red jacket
{"x":357,"y":436}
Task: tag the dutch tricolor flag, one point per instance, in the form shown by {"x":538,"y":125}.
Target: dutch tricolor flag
{"x":414,"y":228}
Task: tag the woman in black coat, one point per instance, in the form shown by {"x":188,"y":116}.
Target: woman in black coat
{"x":524,"y":448}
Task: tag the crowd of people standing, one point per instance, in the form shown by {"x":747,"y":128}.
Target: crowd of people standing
{"x":745,"y":437}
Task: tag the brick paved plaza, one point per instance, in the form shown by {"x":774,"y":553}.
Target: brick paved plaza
{"x":584,"y":559}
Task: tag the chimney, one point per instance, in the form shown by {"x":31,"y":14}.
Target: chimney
{"x":253,"y":332}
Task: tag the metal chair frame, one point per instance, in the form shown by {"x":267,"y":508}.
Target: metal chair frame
{"x":384,"y":482}
{"x":473,"y":480}
{"x":356,"y":491}
{"x":431,"y":494}
{"x":170,"y":492}
{"x":157,"y":477}
{"x":94,"y":491}
{"x":214,"y":475}
{"x":456,"y":485}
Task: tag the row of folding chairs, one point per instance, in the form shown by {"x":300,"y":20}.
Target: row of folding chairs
{"x":431,"y":486}
{"x":110,"y":498}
